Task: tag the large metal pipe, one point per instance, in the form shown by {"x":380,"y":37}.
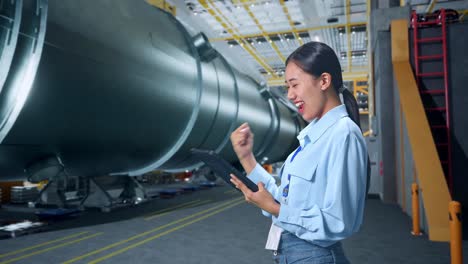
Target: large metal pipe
{"x":122,"y":88}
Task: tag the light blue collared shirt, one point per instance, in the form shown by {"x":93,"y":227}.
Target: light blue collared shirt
{"x":327,"y":186}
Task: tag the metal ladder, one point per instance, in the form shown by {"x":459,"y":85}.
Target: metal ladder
{"x":433,"y":84}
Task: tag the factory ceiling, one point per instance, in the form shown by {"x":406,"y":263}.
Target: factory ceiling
{"x":262,"y":33}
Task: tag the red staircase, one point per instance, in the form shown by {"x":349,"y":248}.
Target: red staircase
{"x":431,"y":71}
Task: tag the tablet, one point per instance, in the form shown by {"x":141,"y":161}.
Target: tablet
{"x":222,"y":168}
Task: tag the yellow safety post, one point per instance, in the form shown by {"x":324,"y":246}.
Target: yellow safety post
{"x":415,"y":195}
{"x":455,"y":232}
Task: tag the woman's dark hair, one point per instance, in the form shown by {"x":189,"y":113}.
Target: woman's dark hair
{"x":317,"y":58}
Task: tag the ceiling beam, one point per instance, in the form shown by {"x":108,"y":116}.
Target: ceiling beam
{"x":340,"y":6}
{"x":463,"y":14}
{"x":289,"y":31}
{"x":264,"y":34}
{"x":431,"y":6}
{"x":347,"y":76}
{"x":370,"y":61}
{"x":218,"y":15}
{"x":348,"y":33}
{"x":291,"y":23}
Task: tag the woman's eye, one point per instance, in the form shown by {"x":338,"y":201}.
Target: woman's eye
{"x":287,"y":87}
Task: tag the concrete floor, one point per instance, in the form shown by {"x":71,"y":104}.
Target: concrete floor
{"x":207,"y":226}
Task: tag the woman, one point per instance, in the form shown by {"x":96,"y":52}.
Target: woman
{"x":323,"y":183}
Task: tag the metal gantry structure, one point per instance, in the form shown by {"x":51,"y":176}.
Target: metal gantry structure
{"x":264,"y":32}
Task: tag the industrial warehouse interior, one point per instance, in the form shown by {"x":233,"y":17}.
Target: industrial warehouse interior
{"x":122,"y":121}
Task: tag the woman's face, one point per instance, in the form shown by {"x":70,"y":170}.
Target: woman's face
{"x":305,"y":91}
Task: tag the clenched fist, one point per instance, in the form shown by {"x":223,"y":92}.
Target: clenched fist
{"x":242,"y":141}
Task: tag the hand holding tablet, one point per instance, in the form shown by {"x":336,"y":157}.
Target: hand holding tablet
{"x":222,"y":168}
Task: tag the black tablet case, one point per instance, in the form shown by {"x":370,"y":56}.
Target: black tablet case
{"x":222,"y":168}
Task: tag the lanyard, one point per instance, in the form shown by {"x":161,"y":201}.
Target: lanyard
{"x":286,"y":188}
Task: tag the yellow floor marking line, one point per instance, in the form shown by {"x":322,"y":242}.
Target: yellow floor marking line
{"x":170,"y":208}
{"x":40,"y":245}
{"x":148,"y":232}
{"x":162,"y":234}
{"x":184,"y":207}
{"x":230,"y":192}
{"x":187,"y":205}
{"x":51,"y":248}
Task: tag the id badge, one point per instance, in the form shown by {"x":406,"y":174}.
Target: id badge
{"x":284,"y":200}
{"x":285,"y":195}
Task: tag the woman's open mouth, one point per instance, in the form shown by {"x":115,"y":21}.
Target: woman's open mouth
{"x":300,"y":107}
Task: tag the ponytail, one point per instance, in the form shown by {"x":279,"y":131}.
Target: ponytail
{"x":353,"y":112}
{"x":351,"y":105}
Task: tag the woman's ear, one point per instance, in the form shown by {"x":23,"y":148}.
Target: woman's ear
{"x":325,"y":81}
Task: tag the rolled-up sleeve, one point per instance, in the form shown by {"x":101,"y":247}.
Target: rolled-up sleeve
{"x":340,"y":213}
{"x":259,"y":174}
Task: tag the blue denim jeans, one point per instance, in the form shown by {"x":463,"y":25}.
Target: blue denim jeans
{"x":293,"y":250}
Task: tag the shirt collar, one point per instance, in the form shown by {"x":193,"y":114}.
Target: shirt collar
{"x":313,"y":131}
